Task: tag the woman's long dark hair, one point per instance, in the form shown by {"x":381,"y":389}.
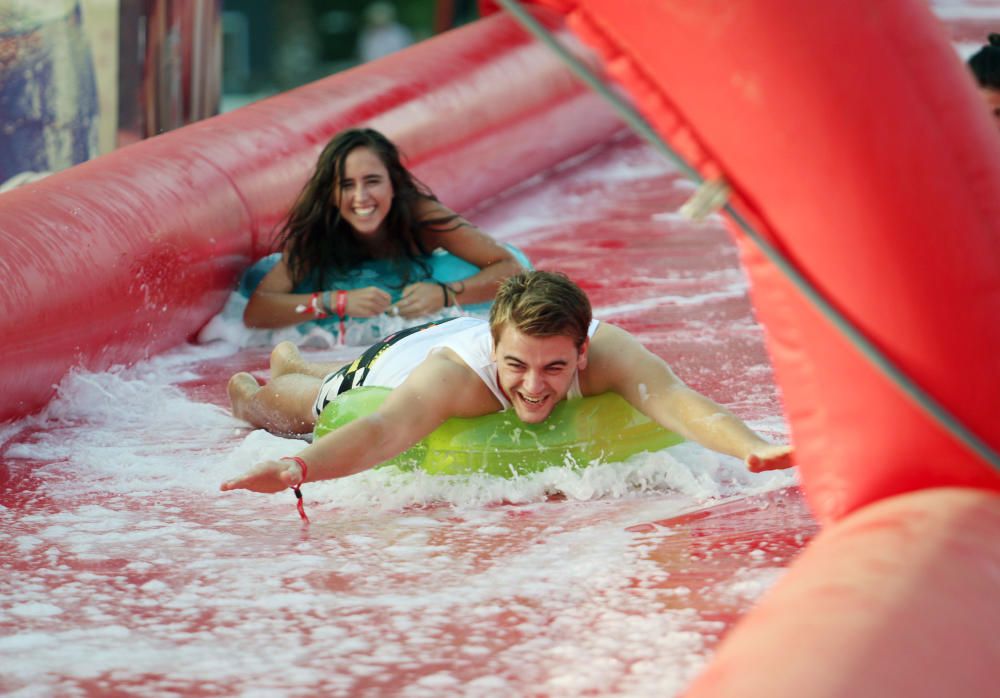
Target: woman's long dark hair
{"x":321,"y":245}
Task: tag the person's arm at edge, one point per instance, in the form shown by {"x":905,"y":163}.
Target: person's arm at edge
{"x":618,"y":362}
{"x":438,"y":389}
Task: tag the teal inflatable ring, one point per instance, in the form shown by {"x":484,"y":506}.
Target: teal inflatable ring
{"x":579,"y":432}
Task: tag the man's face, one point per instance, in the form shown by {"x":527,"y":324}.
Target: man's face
{"x":536,"y":372}
{"x":992,"y":97}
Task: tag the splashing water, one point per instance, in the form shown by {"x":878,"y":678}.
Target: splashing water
{"x":125,"y":570}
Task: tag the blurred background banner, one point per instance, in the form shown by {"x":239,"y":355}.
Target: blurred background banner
{"x":48,"y":93}
{"x":170,"y":65}
{"x":79,"y":78}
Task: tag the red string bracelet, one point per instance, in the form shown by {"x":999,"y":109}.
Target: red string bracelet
{"x":295,"y":488}
{"x":342,"y":312}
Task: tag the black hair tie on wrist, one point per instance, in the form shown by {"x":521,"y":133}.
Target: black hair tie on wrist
{"x":444,"y":292}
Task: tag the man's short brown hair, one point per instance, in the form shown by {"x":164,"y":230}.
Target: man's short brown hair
{"x":541,"y":304}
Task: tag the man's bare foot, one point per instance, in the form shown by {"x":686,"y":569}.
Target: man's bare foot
{"x":285,"y":358}
{"x":241,"y":389}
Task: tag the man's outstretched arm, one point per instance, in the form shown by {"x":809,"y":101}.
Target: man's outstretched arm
{"x":620,"y":363}
{"x":436,"y":390}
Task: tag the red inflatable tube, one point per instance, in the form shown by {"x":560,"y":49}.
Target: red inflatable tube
{"x":129,"y":254}
{"x":853,"y":139}
{"x":898,"y":599}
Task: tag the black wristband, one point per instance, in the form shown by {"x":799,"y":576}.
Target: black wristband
{"x":444,"y":292}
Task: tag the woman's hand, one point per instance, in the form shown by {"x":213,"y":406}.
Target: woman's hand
{"x":267,"y":477}
{"x":365,"y":302}
{"x":423,"y":298}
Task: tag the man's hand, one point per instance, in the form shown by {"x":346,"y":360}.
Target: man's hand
{"x":267,"y":477}
{"x":771,"y":457}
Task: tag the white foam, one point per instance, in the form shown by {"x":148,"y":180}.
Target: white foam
{"x":122,"y":581}
{"x":228,"y":329}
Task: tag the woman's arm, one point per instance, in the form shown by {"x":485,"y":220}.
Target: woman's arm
{"x":273,"y":304}
{"x":467,"y":242}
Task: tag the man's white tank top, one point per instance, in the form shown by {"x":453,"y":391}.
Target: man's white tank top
{"x":390,"y":362}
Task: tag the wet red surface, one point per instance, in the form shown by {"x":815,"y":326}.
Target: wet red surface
{"x":674,"y":284}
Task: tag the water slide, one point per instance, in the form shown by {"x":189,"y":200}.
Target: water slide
{"x":123,"y":565}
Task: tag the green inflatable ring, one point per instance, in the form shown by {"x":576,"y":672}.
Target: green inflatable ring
{"x":578,"y":432}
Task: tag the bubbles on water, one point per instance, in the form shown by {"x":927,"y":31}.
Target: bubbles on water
{"x":687,"y":469}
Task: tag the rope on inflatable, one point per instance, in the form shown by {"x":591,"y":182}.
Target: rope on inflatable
{"x":710,"y":190}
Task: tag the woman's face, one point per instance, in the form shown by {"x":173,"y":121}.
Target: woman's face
{"x":364,"y":195}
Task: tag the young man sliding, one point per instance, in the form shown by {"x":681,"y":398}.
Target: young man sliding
{"x":539,"y":347}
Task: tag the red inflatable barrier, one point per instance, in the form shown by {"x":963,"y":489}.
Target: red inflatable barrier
{"x":121,"y":257}
{"x":898,"y":599}
{"x":853,"y":140}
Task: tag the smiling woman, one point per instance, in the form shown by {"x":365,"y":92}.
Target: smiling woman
{"x":359,"y":241}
